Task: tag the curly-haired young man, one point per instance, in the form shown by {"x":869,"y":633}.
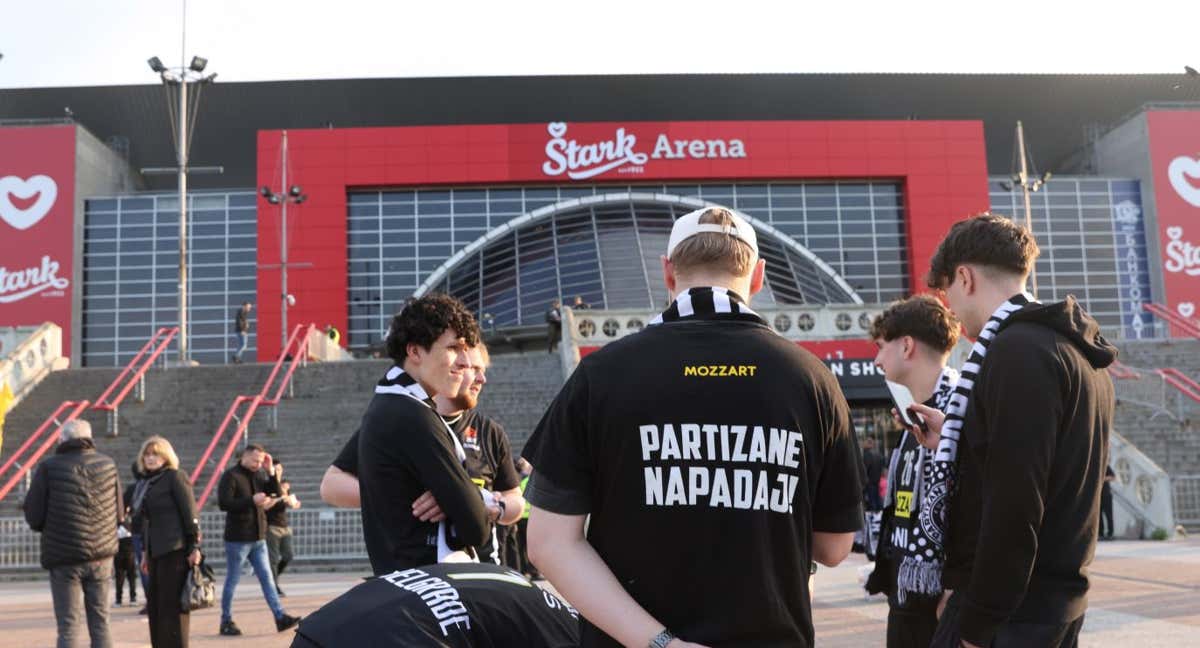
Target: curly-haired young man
{"x":405,"y":449}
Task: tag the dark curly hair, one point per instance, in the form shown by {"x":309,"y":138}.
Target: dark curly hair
{"x":921,"y":316}
{"x":424,"y":320}
{"x":986,"y":239}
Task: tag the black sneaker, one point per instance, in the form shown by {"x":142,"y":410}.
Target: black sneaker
{"x":230,"y":629}
{"x":286,"y":621}
{"x":143,"y":610}
{"x":280,"y":592}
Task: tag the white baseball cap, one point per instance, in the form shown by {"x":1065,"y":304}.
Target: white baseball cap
{"x":689,"y":225}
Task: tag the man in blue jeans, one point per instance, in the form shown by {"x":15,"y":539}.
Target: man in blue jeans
{"x":243,"y":495}
{"x":241,"y":325}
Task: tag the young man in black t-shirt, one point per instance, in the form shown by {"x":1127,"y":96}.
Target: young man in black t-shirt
{"x":715,"y":458}
{"x":915,"y":337}
{"x":489,"y":457}
{"x":488,"y":460}
{"x":405,"y":448}
{"x":433,"y":606}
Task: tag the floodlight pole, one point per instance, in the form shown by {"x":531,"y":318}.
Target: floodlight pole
{"x":181,"y":163}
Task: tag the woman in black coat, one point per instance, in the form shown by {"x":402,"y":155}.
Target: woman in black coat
{"x":172,"y":537}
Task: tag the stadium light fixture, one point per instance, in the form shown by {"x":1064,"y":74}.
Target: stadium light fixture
{"x":198,"y":64}
{"x":156,"y":64}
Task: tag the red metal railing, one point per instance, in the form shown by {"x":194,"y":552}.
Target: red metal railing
{"x":239,"y":433}
{"x":1188,"y":326}
{"x":1120,"y":371}
{"x":297,"y":348}
{"x":1180,"y":381}
{"x":51,"y":425}
{"x":133,"y":375}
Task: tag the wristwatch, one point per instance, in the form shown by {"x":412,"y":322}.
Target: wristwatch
{"x":501,"y":506}
{"x":661,"y":639}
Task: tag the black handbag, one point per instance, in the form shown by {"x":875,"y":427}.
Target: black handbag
{"x":200,"y":588}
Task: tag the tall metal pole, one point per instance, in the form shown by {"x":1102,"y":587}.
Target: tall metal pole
{"x":1028,"y":204}
{"x":182,"y":163}
{"x":283,"y":252}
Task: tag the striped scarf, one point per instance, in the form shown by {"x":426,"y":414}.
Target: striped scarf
{"x":708,"y":303}
{"x":940,"y":476}
{"x":920,"y":568}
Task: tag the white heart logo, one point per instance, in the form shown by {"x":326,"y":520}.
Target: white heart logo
{"x":1187,"y":309}
{"x":557,"y":129}
{"x":1174,"y":233}
{"x":41,"y":186}
{"x":1180,"y":169}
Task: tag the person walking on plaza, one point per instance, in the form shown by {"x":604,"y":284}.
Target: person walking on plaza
{"x":1106,"y":505}
{"x":125,"y":568}
{"x":716,"y":460}
{"x":163,"y":503}
{"x":914,"y":338}
{"x":279,"y":533}
{"x":1029,"y":424}
{"x":74,"y":502}
{"x":241,"y":327}
{"x":242,"y":494}
{"x":135,"y":528}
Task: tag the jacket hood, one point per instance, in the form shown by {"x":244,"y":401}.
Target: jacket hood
{"x":1068,"y":318}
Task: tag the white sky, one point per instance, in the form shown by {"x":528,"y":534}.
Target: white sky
{"x":49,"y":43}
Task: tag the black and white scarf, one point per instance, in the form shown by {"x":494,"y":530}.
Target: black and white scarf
{"x":940,"y":479}
{"x":912,"y":533}
{"x":709,"y":303}
{"x":398,"y":382}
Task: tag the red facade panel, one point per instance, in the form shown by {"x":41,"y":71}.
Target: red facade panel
{"x":942,"y":166}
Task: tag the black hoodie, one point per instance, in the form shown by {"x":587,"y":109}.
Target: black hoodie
{"x":1031,"y":464}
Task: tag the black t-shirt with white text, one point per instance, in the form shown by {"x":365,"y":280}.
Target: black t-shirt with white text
{"x":707,"y":451}
{"x":461,"y":605}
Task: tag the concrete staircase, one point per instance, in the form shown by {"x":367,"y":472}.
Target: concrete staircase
{"x":186,"y":405}
{"x":1169,"y":430}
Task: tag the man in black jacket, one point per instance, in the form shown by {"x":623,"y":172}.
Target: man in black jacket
{"x":1029,"y":422}
{"x":242,"y":494}
{"x":74,"y":501}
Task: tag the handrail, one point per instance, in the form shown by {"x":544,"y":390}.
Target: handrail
{"x":229,"y":415}
{"x":166,"y":334}
{"x":33,"y":437}
{"x":1172,"y":318}
{"x":51,"y":439}
{"x":1122,"y":371}
{"x":241,"y":430}
{"x":1180,"y":381}
{"x":287,"y":350}
{"x":297,"y":356}
{"x":296,"y":347}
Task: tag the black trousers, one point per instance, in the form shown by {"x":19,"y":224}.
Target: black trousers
{"x":168,"y":621}
{"x":1106,"y":516}
{"x":1012,"y":634}
{"x":912,"y":628}
{"x":125,"y":569}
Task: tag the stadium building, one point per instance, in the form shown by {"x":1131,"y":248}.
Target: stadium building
{"x":511,"y":192}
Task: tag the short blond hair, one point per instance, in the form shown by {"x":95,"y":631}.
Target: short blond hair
{"x":162,"y":448}
{"x":714,"y":250}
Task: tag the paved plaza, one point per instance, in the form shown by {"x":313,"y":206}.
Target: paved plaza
{"x":1145,"y":594}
